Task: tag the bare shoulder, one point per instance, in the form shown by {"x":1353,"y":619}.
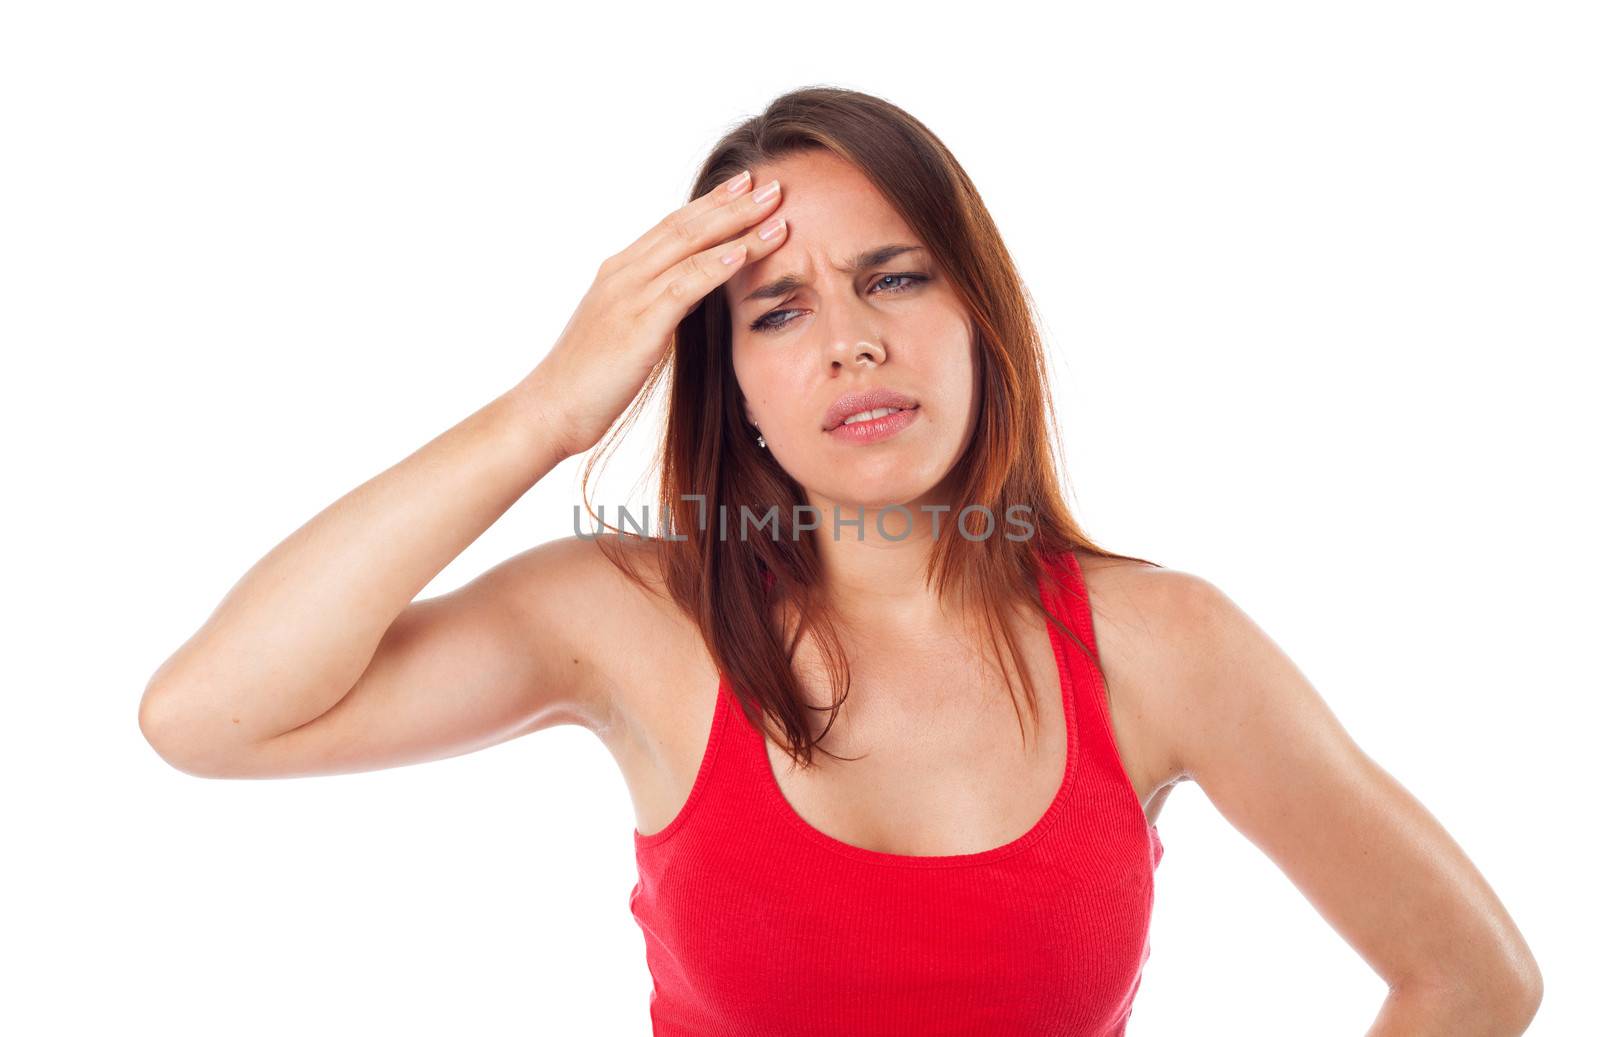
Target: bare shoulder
{"x":1154,"y":628}
{"x":1128,"y":588}
{"x":1193,"y":664}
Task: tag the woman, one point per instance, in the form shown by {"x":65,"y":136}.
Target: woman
{"x":843,"y":825}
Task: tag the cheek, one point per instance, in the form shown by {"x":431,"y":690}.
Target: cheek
{"x":960,"y":373}
{"x":766,"y":382}
{"x":955,"y":353}
{"x":752,"y":370}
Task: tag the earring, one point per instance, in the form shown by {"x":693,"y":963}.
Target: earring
{"x":761,"y":441}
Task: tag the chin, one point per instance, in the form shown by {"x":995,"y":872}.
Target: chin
{"x":868,"y":492}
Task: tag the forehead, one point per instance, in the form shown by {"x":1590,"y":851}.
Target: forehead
{"x":832,"y":210}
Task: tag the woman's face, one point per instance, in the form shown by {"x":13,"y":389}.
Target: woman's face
{"x":892,"y":324}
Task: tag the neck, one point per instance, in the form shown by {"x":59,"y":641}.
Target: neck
{"x":877,"y":584}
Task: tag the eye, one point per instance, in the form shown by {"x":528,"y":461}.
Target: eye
{"x":911,"y":281}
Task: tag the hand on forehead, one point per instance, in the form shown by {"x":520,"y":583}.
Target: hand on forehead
{"x":834,"y":216}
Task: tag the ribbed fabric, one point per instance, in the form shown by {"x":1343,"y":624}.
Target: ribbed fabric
{"x":757,"y":923}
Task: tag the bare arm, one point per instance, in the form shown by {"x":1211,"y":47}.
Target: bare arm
{"x":318,"y":660}
{"x":1372,"y":860}
{"x":301,"y":628}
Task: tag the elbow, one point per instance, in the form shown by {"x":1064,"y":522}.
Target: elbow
{"x":1519,"y":989}
{"x":158,"y":716}
{"x":1530,"y":993}
{"x":1502,"y":1003}
{"x":153,"y":717}
{"x":168,"y":727}
{"x":1513,"y":1013}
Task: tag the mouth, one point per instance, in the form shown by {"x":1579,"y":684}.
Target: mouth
{"x":875,"y":425}
{"x":866,"y":406}
{"x":869,"y":416}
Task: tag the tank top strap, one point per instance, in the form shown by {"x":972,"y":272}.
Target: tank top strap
{"x":1068,"y":599}
{"x":1066,"y":595}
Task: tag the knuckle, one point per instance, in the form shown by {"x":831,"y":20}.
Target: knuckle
{"x":679,"y":227}
{"x":601,"y":289}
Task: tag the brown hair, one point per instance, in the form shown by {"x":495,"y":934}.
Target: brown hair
{"x":728,"y":586}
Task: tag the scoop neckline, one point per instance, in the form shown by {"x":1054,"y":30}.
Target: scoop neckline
{"x":884,"y":858}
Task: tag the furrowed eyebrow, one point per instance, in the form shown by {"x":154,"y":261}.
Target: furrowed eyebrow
{"x":870,"y":258}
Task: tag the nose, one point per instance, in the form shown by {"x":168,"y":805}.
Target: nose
{"x":864,"y":354}
{"x":852,"y":340}
{"x":861,"y":352}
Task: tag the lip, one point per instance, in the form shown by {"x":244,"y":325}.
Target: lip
{"x":876,"y":429}
{"x":865,"y":399}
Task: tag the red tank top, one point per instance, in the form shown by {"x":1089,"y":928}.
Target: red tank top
{"x":757,"y":923}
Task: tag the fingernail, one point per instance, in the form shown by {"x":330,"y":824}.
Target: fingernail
{"x":770,"y":229}
{"x":766,"y":192}
{"x":738,"y":183}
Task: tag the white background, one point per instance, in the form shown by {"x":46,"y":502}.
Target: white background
{"x":1320,"y":285}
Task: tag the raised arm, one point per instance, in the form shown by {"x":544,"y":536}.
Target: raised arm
{"x":320,"y":661}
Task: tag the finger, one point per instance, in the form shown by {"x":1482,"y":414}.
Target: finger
{"x":730,"y":190}
{"x":681,"y":287}
{"x":695,"y":232}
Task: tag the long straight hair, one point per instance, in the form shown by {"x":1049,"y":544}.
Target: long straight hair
{"x":709,"y":462}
